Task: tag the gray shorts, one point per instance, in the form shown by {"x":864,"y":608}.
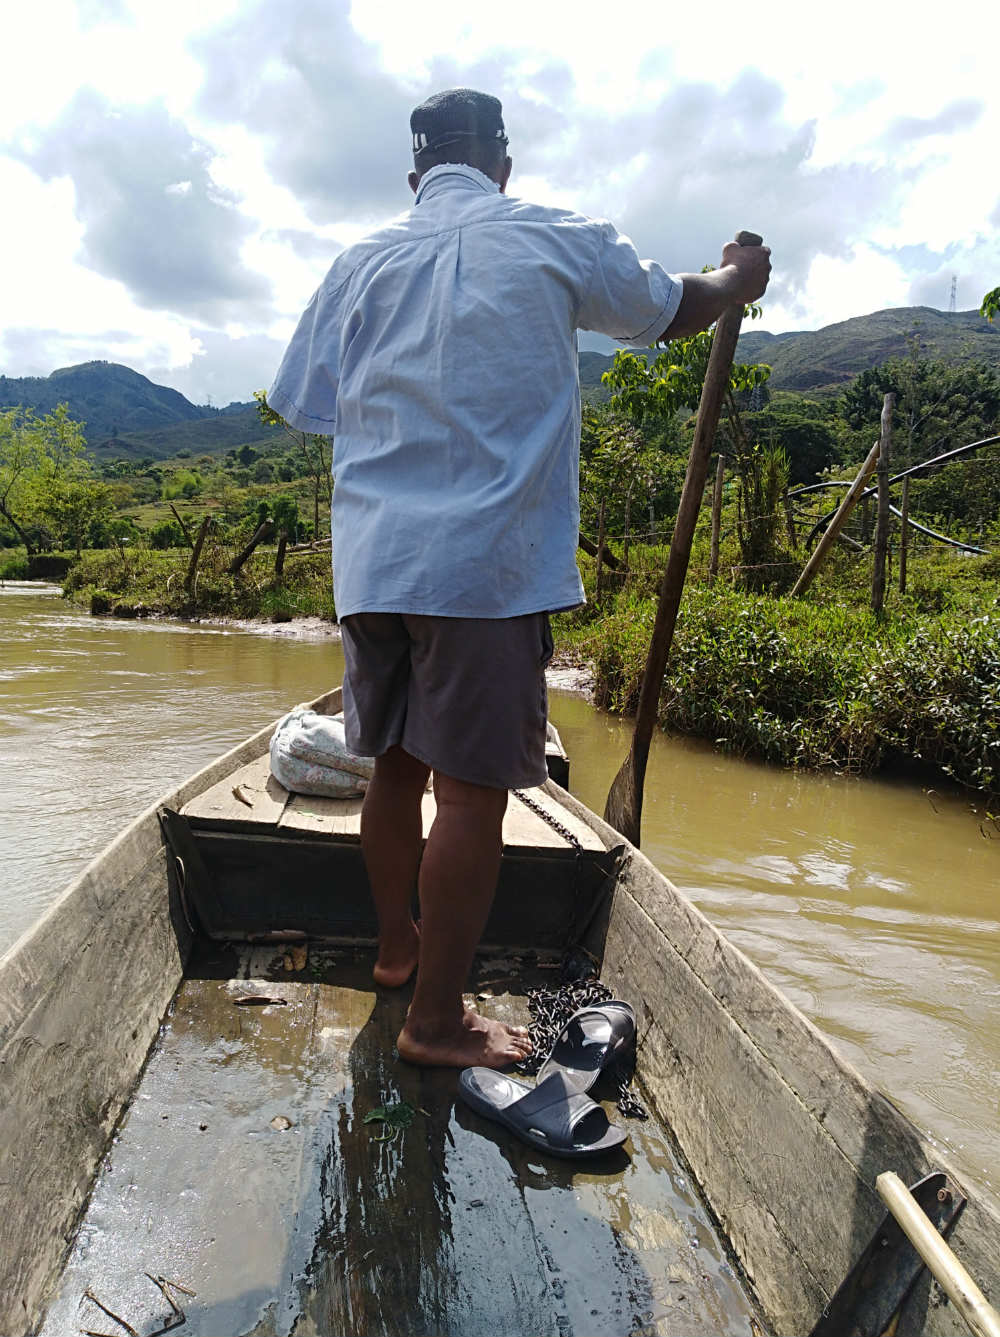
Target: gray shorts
{"x":464,"y":695}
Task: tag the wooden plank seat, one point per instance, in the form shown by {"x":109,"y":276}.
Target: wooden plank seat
{"x":258,"y":861}
{"x":251,"y":800}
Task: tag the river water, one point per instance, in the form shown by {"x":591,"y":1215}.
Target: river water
{"x":874,"y":905}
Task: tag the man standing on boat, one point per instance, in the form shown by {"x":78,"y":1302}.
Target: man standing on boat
{"x":440,"y":353}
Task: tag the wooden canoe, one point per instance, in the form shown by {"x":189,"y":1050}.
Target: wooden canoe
{"x":155,"y":1125}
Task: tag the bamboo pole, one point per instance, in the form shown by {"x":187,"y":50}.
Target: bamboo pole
{"x":883,"y":517}
{"x":979,"y":1315}
{"x":822,"y":548}
{"x":713,"y":563}
{"x":904,"y":534}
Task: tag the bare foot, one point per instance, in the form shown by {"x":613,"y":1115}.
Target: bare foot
{"x":472,"y":1019}
{"x":397,"y":960}
{"x":475,"y":1041}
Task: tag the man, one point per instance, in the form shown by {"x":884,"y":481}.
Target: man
{"x":440,"y":353}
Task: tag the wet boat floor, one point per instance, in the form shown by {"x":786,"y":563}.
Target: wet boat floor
{"x":245,"y":1171}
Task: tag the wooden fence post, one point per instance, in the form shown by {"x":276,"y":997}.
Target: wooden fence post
{"x":713,"y":561}
{"x":884,"y":517}
{"x":600,"y":549}
{"x":826,"y":539}
{"x":279,"y":561}
{"x":628,"y":537}
{"x":264,"y":531}
{"x":904,"y":534}
{"x":184,"y":529}
{"x":793,"y":538}
{"x":199,"y":543}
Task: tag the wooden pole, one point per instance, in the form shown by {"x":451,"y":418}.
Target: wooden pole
{"x":199,"y":543}
{"x":977,"y":1313}
{"x":600,"y":548}
{"x":184,"y":529}
{"x":822,"y":548}
{"x":264,"y":531}
{"x":883,"y":518}
{"x":279,"y":560}
{"x":793,"y":538}
{"x":623,"y":809}
{"x":587,"y":545}
{"x":713,"y":562}
{"x":904,"y":534}
{"x":628,"y":521}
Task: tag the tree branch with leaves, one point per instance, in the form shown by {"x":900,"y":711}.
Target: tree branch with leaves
{"x":316,"y":451}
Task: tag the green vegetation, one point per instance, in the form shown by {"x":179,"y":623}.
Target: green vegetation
{"x":818,"y":681}
{"x":821,"y":683}
{"x":141,"y":582}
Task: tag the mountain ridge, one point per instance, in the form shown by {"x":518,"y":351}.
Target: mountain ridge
{"x":127,"y":414}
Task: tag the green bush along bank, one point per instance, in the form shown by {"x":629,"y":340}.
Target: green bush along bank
{"x":141,"y":582}
{"x":818,"y":682}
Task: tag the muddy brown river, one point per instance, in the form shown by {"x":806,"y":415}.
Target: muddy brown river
{"x":874,"y":905}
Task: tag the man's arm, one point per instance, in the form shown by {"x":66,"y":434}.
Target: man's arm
{"x":741,"y":278}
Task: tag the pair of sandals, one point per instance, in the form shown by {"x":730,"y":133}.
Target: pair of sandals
{"x":556,"y":1115}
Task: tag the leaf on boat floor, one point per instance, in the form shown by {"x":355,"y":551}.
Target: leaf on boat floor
{"x":396,"y":1118}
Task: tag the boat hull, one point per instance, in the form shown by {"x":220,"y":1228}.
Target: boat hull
{"x":783,"y":1137}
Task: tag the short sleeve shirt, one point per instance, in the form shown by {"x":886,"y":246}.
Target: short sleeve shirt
{"x":440,"y":353}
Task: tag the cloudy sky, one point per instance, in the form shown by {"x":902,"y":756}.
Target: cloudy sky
{"x":176,"y":178}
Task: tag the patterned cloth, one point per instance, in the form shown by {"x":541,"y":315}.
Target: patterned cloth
{"x":309,"y":755}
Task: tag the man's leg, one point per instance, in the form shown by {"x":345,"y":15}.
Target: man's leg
{"x":458,"y":878}
{"x":391,"y":833}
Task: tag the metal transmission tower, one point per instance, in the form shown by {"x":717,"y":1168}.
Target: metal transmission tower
{"x":954,"y":290}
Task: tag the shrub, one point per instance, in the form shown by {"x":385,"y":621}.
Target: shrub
{"x":14,"y":566}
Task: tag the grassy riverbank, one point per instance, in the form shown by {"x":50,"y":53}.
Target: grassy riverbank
{"x":816,"y":682}
{"x":145,"y":582}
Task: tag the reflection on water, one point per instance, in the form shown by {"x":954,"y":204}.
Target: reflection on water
{"x":98,"y":718}
{"x":873,"y":905}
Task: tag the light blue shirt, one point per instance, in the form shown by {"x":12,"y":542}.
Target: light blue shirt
{"x":440,"y":354}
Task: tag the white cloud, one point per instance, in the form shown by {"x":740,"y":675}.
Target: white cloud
{"x":203,"y":161}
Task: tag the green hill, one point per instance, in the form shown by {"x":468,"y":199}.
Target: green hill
{"x":228,"y":430}
{"x":110,"y":399}
{"x":126,"y":414}
{"x":822,"y":361}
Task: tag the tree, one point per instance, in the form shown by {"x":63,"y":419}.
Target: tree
{"x":285,"y":514}
{"x":673,"y":380}
{"x":315,"y":450}
{"x":991,"y":305}
{"x":803,"y":429}
{"x":46,"y":481}
{"x":619,"y":469}
{"x":71,"y":506}
{"x":937,"y":404}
